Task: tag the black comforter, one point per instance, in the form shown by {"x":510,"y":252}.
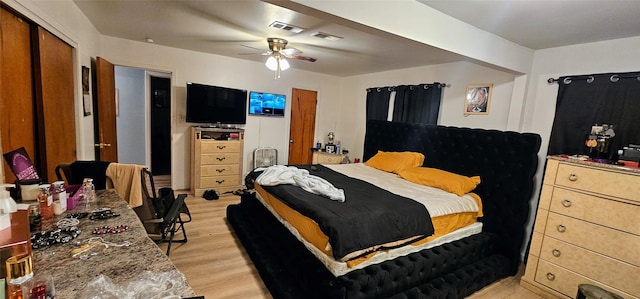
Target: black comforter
{"x":369,"y":216}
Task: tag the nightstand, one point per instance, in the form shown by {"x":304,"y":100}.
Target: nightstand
{"x":327,"y":158}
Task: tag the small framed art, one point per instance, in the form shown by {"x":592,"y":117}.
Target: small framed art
{"x":478,"y":98}
{"x":330,"y":148}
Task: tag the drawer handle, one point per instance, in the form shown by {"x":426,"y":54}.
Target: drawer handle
{"x":573,"y":177}
{"x":220,"y":158}
{"x":221,"y":146}
{"x":551,"y":276}
{"x":220,"y":170}
{"x":556,"y":252}
{"x":566,"y":203}
{"x":561,"y":228}
{"x":219,"y":181}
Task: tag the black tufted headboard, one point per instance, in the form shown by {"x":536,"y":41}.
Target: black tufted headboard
{"x":505,"y":161}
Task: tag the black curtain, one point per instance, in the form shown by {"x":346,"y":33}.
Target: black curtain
{"x":417,"y":103}
{"x":378,"y":103}
{"x":587,"y":100}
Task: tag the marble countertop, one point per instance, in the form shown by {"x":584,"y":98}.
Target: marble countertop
{"x":71,"y":274}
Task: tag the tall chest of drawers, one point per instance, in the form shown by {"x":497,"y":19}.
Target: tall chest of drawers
{"x":216,"y":159}
{"x":587,"y":230}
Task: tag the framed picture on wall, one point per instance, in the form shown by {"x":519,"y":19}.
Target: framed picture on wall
{"x":478,"y":98}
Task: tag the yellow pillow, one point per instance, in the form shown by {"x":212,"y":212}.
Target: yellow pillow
{"x":395,"y":161}
{"x":447,"y":181}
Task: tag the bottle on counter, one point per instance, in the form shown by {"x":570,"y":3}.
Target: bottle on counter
{"x":59,"y":197}
{"x":89,"y":194}
{"x":19,"y":272}
{"x":45,"y":200}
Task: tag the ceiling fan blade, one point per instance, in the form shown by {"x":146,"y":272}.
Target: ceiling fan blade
{"x":290,"y":51}
{"x":306,"y":58}
{"x":257,"y":53}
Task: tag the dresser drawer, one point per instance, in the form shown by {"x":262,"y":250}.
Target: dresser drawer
{"x":611,"y":213}
{"x":610,"y":242}
{"x":595,"y":266}
{"x":599,"y":181}
{"x":220,"y":159}
{"x":223,"y":180}
{"x":565,"y":281}
{"x":326,"y":158}
{"x":207,"y":147}
{"x":214,"y":170}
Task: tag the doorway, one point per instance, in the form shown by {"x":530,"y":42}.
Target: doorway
{"x":160,"y":108}
{"x":144,"y":120}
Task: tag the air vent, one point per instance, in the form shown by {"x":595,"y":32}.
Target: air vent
{"x":326,"y":36}
{"x":285,"y":26}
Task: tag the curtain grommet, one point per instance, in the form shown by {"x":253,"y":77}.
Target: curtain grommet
{"x":614,"y":78}
{"x":567,"y":80}
{"x":590,"y":79}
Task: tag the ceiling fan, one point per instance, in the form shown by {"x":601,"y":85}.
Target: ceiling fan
{"x":278,"y":52}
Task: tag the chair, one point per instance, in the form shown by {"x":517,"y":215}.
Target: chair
{"x":161,"y":213}
{"x":75,"y":172}
{"x":63,"y":172}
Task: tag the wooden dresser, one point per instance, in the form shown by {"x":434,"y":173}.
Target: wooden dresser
{"x":587,"y":230}
{"x":327,"y":158}
{"x":216,"y":159}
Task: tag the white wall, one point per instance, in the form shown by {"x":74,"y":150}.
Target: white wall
{"x":457,"y":76}
{"x":228,"y":72}
{"x":131,"y":120}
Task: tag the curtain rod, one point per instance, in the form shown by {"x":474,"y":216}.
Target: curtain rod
{"x":591,"y":78}
{"x":392,"y":88}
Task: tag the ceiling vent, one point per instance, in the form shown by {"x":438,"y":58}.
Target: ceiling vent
{"x":326,"y":36}
{"x":285,"y":26}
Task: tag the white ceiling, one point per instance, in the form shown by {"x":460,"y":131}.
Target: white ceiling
{"x":239,"y":29}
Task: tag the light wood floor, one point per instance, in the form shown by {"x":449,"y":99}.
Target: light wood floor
{"x":217,"y":266}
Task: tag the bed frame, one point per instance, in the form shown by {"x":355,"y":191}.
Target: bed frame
{"x":506,"y":163}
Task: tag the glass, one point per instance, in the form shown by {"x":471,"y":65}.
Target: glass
{"x":89,"y":194}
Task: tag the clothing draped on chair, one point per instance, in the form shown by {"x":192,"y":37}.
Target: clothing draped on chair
{"x":586,"y":100}
{"x":126,"y":181}
{"x":411,"y":103}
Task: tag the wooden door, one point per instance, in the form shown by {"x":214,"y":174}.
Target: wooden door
{"x":17,"y":123}
{"x":55,"y":102}
{"x":106,"y":140}
{"x":303,"y":124}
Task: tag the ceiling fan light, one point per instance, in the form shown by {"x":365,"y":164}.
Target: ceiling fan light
{"x":272,"y":63}
{"x":284,"y":64}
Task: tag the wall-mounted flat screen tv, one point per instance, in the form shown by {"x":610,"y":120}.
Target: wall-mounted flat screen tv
{"x":268,"y":104}
{"x":213,"y":104}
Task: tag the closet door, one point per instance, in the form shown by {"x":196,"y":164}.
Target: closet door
{"x":55,"y":102}
{"x":17,"y":123}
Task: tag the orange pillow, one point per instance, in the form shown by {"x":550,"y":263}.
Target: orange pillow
{"x":395,"y":161}
{"x":447,"y":181}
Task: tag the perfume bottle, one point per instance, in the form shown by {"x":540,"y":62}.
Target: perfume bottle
{"x":19,"y":271}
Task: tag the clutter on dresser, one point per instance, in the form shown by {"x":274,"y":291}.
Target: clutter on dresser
{"x":629,"y":155}
{"x":599,"y":142}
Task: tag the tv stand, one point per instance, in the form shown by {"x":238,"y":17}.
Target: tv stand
{"x":216,"y":159}
{"x":220,"y":126}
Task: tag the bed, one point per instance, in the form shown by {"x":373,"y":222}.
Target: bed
{"x":506,"y":162}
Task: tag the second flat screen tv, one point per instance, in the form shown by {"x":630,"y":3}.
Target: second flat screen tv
{"x":267,"y":104}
